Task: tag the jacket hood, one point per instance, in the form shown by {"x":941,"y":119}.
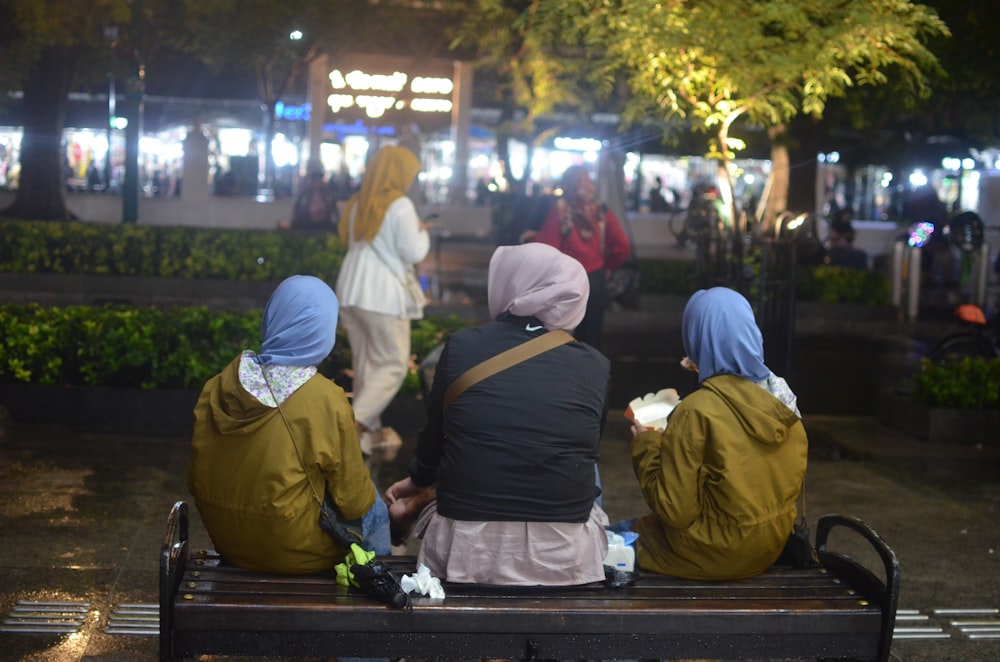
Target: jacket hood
{"x":763,"y":417}
{"x":235,"y":412}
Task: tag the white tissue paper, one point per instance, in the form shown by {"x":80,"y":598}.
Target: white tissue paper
{"x":422,"y":582}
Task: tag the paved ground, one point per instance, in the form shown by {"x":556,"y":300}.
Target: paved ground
{"x":82,"y":515}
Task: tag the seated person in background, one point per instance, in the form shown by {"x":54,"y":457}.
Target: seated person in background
{"x":840,"y":250}
{"x":514,"y":455}
{"x":723,"y":477}
{"x":257,"y":488}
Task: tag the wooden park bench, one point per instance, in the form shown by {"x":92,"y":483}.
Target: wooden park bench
{"x":836,"y":610}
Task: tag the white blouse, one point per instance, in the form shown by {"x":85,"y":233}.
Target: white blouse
{"x":373,"y":273}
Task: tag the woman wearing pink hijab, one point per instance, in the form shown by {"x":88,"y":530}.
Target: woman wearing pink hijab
{"x":513,"y":456}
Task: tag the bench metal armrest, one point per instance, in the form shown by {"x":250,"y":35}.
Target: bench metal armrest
{"x":173,"y":560}
{"x":885,"y":594}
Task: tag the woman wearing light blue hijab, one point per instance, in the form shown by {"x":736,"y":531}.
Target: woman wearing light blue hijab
{"x":271,"y":433}
{"x":723,"y":477}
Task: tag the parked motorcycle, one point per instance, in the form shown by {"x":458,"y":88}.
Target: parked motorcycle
{"x":976,"y":338}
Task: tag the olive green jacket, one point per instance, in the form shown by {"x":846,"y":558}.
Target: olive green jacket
{"x":722,"y":480}
{"x":249,"y":484}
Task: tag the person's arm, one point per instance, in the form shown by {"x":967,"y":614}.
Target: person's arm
{"x":617,"y":247}
{"x":411,"y":239}
{"x":668,"y":466}
{"x":408,"y":496}
{"x":342,"y":466}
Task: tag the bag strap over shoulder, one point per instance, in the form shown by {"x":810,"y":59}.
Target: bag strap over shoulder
{"x":504,"y":360}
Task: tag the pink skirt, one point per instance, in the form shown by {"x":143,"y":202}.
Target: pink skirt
{"x":513,"y":553}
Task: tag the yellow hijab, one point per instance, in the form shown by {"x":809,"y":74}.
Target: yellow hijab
{"x":390,"y":173}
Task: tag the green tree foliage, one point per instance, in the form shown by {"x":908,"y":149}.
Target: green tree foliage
{"x":543,"y":61}
{"x":762,"y":63}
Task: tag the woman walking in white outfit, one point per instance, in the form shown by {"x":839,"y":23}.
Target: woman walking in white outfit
{"x":385,"y":240}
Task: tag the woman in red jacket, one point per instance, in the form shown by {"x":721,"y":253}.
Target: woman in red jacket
{"x":582,"y":227}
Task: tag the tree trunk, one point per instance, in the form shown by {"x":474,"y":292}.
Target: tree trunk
{"x":729,"y":254}
{"x":806,"y":142}
{"x":777,"y":196}
{"x":268,"y":184}
{"x":42,"y":180}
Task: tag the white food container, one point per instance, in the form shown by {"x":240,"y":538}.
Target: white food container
{"x":652,"y":409}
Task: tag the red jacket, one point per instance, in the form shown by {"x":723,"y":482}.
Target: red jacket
{"x":589,"y":253}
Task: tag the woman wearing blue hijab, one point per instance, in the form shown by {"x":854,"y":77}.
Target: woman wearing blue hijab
{"x":271,"y":433}
{"x":723,"y":477}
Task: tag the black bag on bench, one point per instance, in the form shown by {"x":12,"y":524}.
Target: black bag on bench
{"x":344,"y":532}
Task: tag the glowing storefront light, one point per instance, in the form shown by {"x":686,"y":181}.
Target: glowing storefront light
{"x":577,"y":144}
{"x":235,"y":142}
{"x":918,"y":179}
{"x":285,"y":152}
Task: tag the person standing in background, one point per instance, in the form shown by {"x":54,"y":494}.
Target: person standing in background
{"x":385,"y":239}
{"x":315,"y":208}
{"x":580,"y":226}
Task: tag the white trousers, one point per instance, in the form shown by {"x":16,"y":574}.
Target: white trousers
{"x":380,"y":357}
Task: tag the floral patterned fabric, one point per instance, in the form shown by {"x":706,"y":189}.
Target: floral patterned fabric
{"x":283,"y":379}
{"x":780,"y":389}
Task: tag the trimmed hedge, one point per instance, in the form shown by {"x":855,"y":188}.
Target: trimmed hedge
{"x":73,"y":247}
{"x":151,"y":348}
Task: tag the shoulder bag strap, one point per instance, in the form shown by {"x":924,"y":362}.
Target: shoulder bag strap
{"x":504,"y":360}
{"x":288,"y":427}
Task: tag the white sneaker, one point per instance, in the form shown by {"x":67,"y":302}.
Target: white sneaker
{"x":384,"y":442}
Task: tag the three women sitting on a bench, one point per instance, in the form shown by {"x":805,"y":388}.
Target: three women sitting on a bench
{"x":513,"y":456}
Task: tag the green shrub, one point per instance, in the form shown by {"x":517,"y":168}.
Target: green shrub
{"x":830,"y":284}
{"x":171,"y":252}
{"x":667,"y":277}
{"x":151,"y":347}
{"x":959,"y":383}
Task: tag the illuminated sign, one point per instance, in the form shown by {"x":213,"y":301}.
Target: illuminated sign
{"x":292,"y":113}
{"x":376,"y":93}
